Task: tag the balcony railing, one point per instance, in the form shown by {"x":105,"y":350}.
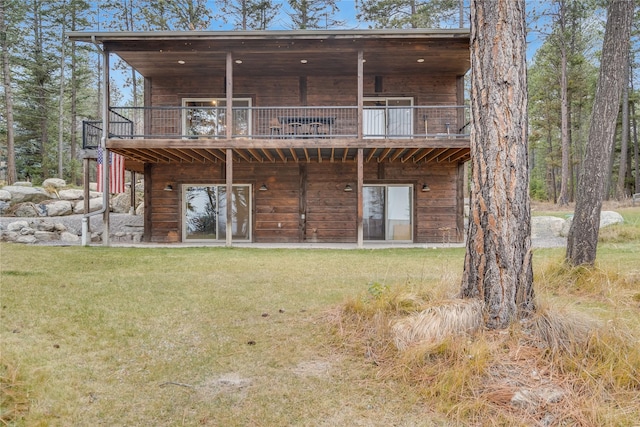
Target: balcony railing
{"x":119,"y":127}
{"x":378,"y":122}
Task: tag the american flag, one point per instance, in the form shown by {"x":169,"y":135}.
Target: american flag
{"x":116,"y":172}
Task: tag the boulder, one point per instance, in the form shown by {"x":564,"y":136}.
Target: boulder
{"x":121,"y":203}
{"x":44,"y":226}
{"x":23,"y":184}
{"x":544,"y":227}
{"x":140,"y":209}
{"x":26,"y":239}
{"x":17,"y":225}
{"x":5,"y":196}
{"x":93,"y":186}
{"x":608,"y":218}
{"x":94,"y":205}
{"x":71,"y":194}
{"x":27,"y":231}
{"x":26,"y":210}
{"x":54,"y":182}
{"x":21,"y":194}
{"x":9,"y":236}
{"x":45,"y":236}
{"x":58,"y":208}
{"x":65,"y":236}
{"x":4,"y":207}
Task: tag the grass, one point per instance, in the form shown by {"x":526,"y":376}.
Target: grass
{"x":196,"y":336}
{"x":216,"y":336}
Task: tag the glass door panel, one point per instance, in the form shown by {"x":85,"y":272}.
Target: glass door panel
{"x":373,"y":212}
{"x":387,"y":212}
{"x":398,"y":213}
{"x":400,"y":119}
{"x":206,"y":117}
{"x":205,"y":212}
{"x":374,"y":120}
{"x":200,"y":213}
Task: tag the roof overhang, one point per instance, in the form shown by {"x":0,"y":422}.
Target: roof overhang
{"x":277,"y":53}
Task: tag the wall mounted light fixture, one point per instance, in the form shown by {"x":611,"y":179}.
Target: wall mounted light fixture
{"x":348,"y":188}
{"x":425,"y":188}
{"x":263,"y":187}
{"x":169,"y":187}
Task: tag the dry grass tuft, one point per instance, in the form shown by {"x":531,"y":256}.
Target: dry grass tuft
{"x":448,"y":319}
{"x":598,"y":283}
{"x":560,"y":367}
{"x":560,"y":331}
{"x":14,"y":399}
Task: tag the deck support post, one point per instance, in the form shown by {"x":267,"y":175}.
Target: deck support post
{"x":229,"y":198}
{"x":360,"y":197}
{"x":229,"y":153}
{"x":360,"y":92}
{"x":106,"y":154}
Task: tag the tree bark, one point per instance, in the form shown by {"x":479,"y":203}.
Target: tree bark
{"x":498,"y":258}
{"x":8,"y":94}
{"x":583,"y":234}
{"x":624,"y":139}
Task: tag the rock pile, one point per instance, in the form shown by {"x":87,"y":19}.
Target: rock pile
{"x":55,"y":200}
{"x":38,"y":232}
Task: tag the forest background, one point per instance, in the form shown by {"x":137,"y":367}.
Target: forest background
{"x":50,"y":85}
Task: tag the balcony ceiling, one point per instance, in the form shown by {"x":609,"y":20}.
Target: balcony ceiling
{"x":274,"y":53}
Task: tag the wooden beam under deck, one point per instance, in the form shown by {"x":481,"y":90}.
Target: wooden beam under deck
{"x":280,"y":150}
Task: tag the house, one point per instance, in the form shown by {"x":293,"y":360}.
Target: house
{"x":295,"y":136}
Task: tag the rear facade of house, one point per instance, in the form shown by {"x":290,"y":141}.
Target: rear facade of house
{"x":295,"y":136}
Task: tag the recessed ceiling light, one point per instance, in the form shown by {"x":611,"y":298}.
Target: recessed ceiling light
{"x":238,"y":61}
{"x":181,"y":62}
{"x":421,"y":60}
{"x":303,"y":61}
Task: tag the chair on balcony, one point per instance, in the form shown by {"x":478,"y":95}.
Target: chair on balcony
{"x":314,"y":128}
{"x":295,"y":128}
{"x":275,"y":129}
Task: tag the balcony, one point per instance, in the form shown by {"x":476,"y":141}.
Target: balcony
{"x":204,"y":122}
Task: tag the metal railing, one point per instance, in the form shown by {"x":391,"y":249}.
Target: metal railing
{"x":119,"y":127}
{"x":378,"y":122}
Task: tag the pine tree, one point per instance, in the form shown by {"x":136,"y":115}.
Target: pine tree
{"x":497,"y":266}
{"x":583,"y":235}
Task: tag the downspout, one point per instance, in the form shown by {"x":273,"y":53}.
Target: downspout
{"x":105,"y":162}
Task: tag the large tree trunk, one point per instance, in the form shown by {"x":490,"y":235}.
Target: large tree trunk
{"x":583,"y":236}
{"x":8,"y":94}
{"x":498,"y":259}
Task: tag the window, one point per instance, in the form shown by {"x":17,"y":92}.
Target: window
{"x":388,"y":212}
{"x":205,"y":212}
{"x":206,"y":117}
{"x":388,"y":117}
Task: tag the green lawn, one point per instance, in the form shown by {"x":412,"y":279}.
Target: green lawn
{"x":217,"y":336}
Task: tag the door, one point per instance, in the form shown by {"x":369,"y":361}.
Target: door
{"x":205,"y":212}
{"x":387,"y":212}
{"x":206,"y":117}
{"x":387,"y":118}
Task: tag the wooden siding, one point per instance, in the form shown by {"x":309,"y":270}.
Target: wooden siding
{"x":284,"y":91}
{"x":315,"y":190}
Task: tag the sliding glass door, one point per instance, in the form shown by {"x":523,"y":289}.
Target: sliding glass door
{"x":388,"y":118}
{"x":388,"y":212}
{"x":206,"y":117}
{"x":205,"y":212}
